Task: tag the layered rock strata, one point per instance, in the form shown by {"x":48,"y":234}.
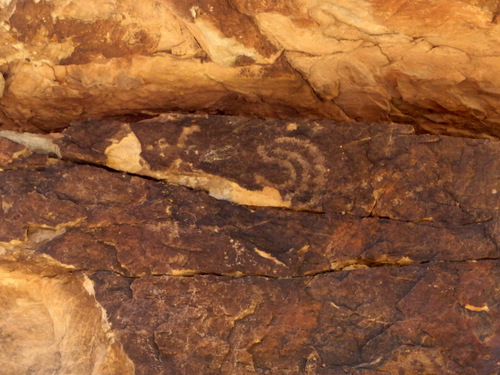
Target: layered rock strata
{"x":191,"y":244}
{"x":433,"y":64}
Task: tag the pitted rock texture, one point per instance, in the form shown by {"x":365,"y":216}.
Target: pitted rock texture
{"x":433,"y":64}
{"x":418,"y":319}
{"x":387,"y":263}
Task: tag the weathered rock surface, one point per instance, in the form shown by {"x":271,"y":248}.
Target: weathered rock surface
{"x":237,"y":246}
{"x":433,"y":64}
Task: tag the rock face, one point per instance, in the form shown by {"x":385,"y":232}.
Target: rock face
{"x":433,"y":64}
{"x":132,"y":243}
{"x":220,"y":245}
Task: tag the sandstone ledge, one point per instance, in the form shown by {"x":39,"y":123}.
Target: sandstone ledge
{"x":432,"y":64}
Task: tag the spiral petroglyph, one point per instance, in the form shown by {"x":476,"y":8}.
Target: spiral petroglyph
{"x":301,"y":168}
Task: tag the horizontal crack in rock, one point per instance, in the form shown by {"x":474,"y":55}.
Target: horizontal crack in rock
{"x":352,"y":266}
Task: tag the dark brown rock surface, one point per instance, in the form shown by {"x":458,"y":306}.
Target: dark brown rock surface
{"x":235,"y":246}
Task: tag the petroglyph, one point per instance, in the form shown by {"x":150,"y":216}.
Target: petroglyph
{"x":302,"y":168}
{"x":125,"y":155}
